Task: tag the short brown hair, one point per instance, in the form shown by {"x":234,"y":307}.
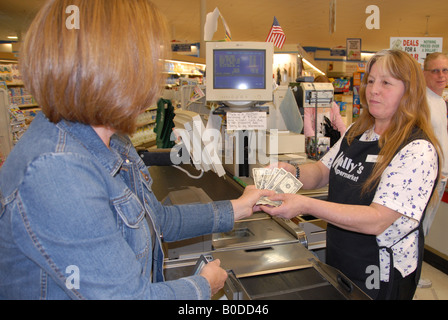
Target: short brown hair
{"x":103,"y":74}
{"x":322,"y":78}
{"x":433,"y":56}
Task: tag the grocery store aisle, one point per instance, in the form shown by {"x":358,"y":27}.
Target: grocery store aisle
{"x":439,"y":288}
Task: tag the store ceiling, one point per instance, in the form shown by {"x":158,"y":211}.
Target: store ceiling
{"x":305,"y":22}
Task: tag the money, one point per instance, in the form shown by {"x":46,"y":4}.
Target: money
{"x":278,"y":180}
{"x":258,"y":174}
{"x":266,"y":202}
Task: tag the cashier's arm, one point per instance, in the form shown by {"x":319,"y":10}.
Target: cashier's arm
{"x":312,"y":175}
{"x":374,"y":220}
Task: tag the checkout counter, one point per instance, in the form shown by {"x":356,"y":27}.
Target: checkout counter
{"x":265,"y":257}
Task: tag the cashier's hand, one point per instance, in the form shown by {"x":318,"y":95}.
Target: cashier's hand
{"x":283,"y":165}
{"x":215,"y":275}
{"x":292,"y":205}
{"x":244,"y":206}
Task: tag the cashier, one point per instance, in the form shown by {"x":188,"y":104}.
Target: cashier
{"x":78,"y":218}
{"x":381,"y":175}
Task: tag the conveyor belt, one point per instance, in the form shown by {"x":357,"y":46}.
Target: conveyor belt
{"x":266,"y":258}
{"x":286,"y":272}
{"x":303,"y":284}
{"x":260,"y":230}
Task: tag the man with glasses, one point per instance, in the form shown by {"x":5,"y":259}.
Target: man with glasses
{"x":436,"y":76}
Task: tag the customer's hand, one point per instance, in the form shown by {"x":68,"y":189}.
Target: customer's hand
{"x":244,"y":206}
{"x":215,"y":275}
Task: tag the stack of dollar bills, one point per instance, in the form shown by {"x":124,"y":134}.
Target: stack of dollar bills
{"x":276,"y":179}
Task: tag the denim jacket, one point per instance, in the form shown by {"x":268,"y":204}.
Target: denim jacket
{"x":73,"y":226}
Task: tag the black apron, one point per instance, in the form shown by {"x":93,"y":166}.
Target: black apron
{"x":351,"y":252}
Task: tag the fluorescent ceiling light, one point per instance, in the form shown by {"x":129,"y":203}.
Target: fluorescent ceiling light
{"x":312,"y":66}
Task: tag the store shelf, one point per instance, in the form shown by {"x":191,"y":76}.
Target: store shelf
{"x":145,"y":137}
{"x":5,"y":133}
{"x":180,"y":66}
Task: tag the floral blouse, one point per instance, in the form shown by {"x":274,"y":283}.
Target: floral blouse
{"x":405,"y":187}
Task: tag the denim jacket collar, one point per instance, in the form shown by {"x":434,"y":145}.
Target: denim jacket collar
{"x":86,"y":135}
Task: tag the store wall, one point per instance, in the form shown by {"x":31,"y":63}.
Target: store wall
{"x":5,"y":47}
{"x":438,"y":235}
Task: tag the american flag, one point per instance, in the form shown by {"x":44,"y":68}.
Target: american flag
{"x":276,"y":34}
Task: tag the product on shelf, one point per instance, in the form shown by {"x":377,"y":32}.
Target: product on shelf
{"x":18,"y":124}
{"x":144,"y":135}
{"x":10,"y":73}
{"x":21,"y":97}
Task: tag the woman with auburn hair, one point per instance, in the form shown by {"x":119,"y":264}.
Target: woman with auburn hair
{"x":381,"y":175}
{"x":78,"y":219}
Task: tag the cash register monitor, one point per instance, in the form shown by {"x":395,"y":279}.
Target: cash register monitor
{"x":239,"y":74}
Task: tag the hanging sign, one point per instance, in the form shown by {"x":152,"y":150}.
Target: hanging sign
{"x":419,"y":48}
{"x":353,"y":49}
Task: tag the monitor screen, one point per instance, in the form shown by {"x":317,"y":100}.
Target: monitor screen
{"x":239,"y":69}
{"x":239,"y":73}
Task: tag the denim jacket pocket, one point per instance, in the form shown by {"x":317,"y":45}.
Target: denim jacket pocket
{"x":130,"y":209}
